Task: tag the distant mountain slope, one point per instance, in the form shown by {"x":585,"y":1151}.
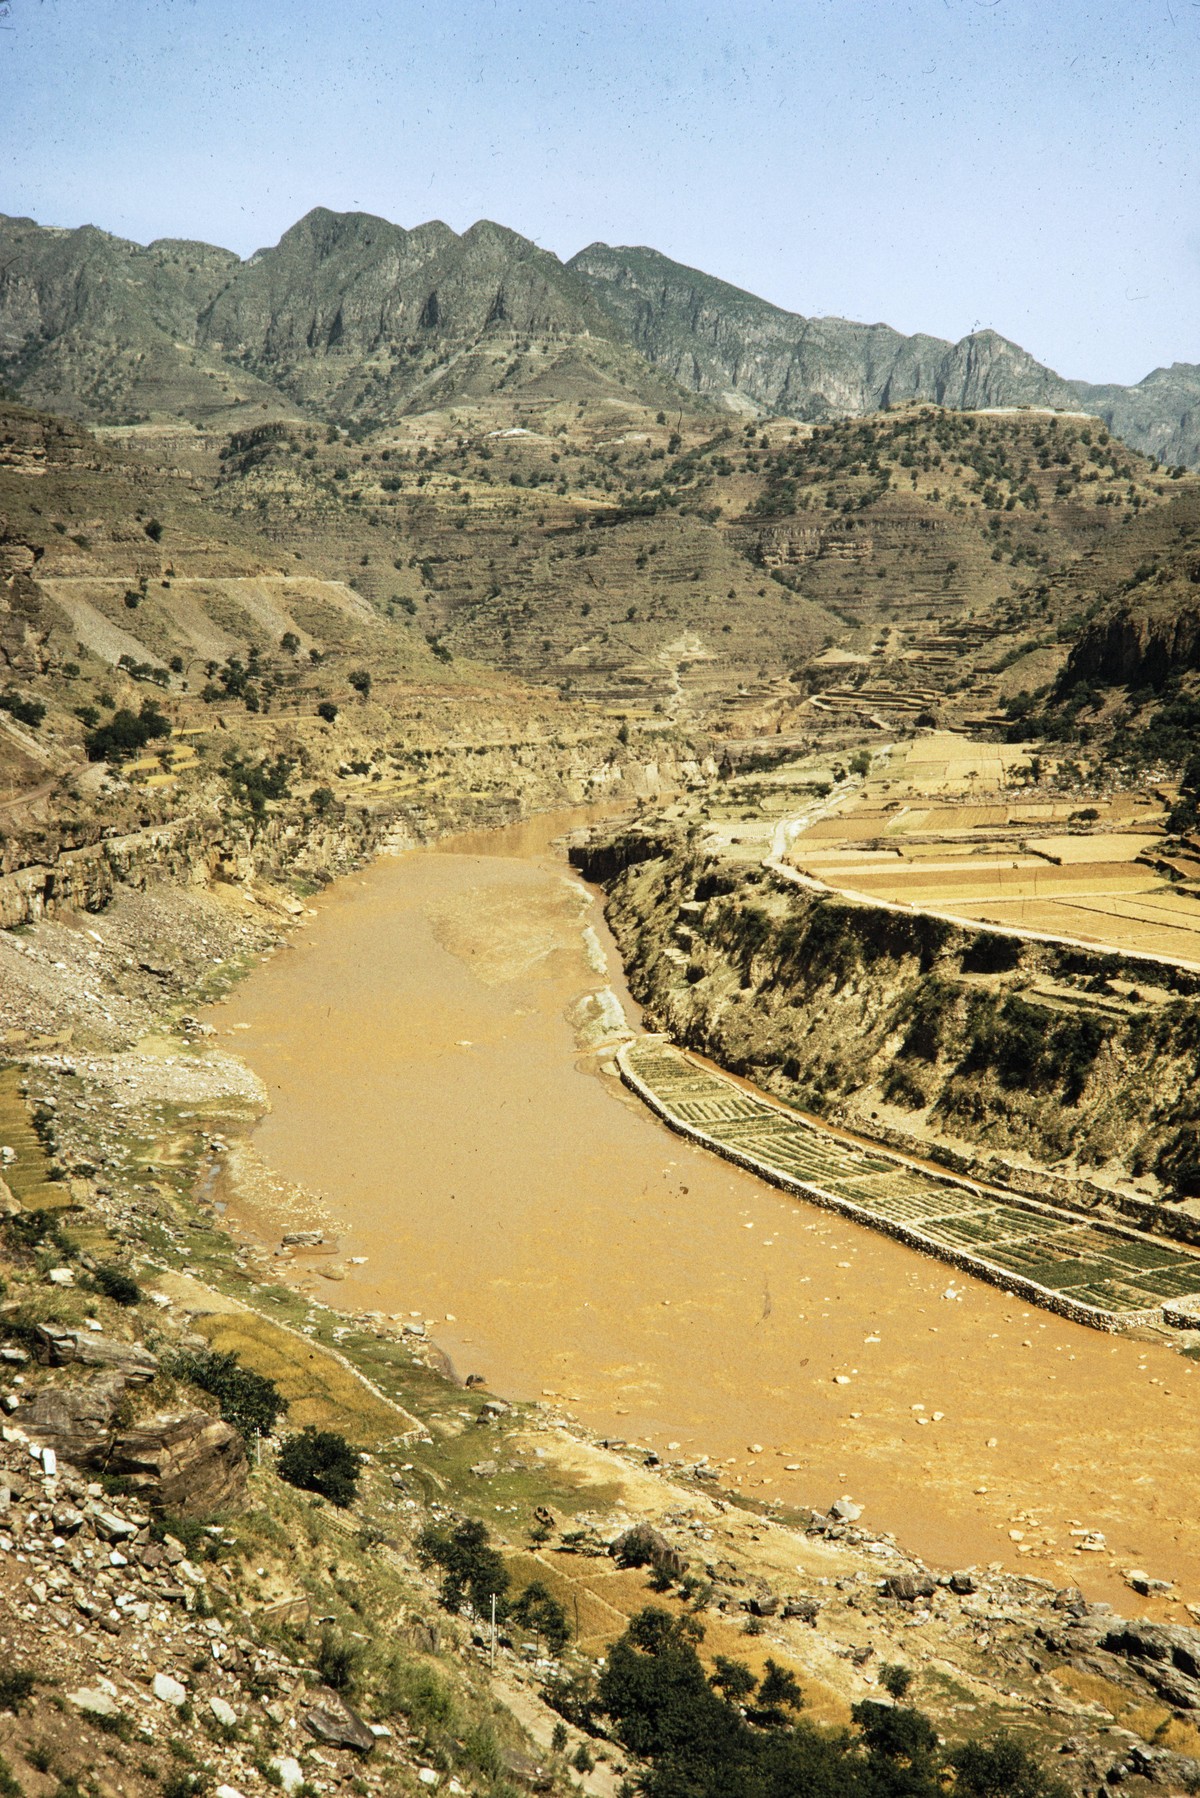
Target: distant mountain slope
{"x":101,"y":328}
{"x":718,"y":339}
{"x":356,"y":319}
{"x":348,"y":315}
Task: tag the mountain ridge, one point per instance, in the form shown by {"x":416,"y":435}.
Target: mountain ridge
{"x":353,"y":317}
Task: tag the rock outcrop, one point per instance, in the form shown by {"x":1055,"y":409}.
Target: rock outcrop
{"x":189,"y":1464}
{"x":56,"y":1347}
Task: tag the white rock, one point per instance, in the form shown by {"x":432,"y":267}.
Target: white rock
{"x":49,"y":1463}
{"x":291,"y":1773}
{"x":93,"y":1703}
{"x":427,"y":1776}
{"x":223,"y":1711}
{"x":169,"y":1690}
{"x":61,"y":1276}
{"x":228,"y":1792}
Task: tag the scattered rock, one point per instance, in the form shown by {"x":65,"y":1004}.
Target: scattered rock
{"x":332,"y":1720}
{"x":291,"y":1773}
{"x":223,"y":1711}
{"x":1142,"y":1582}
{"x":93,"y":1702}
{"x":169,"y":1690}
{"x":111,"y":1528}
{"x":66,"y":1520}
{"x":844,"y":1510}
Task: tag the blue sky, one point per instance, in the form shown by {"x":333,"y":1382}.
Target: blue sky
{"x":938,"y":164}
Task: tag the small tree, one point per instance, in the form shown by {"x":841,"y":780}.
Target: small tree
{"x":360,"y":680}
{"x":539,"y":1611}
{"x":732,"y":1678}
{"x":473,"y":1571}
{"x":327,"y":710}
{"x":895,"y":1679}
{"x":778,"y":1695}
{"x":321,"y":1461}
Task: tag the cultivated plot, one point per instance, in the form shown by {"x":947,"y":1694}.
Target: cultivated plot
{"x":1097,"y":1273}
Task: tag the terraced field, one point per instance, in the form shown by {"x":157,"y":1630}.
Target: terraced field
{"x":1093,"y":1272}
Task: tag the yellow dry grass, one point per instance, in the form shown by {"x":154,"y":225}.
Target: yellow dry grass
{"x":599,"y":1598}
{"x":320,"y":1389}
{"x":1153,"y":1722}
{"x":28,"y":1175}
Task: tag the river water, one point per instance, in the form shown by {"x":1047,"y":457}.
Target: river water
{"x":423,"y":1045}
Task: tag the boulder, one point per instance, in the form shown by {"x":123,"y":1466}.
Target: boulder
{"x":168,"y":1690}
{"x":92,"y":1702}
{"x":109,"y":1527}
{"x":907,"y":1589}
{"x":56,"y":1347}
{"x":1161,"y":1644}
{"x":188,"y":1463}
{"x":640,"y":1546}
{"x":844,"y":1510}
{"x":332,"y":1720}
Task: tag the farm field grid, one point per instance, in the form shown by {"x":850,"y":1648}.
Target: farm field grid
{"x":1095,"y":1273}
{"x":943,"y":825}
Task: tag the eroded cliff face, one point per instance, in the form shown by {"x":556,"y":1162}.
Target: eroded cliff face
{"x":939,"y":1037}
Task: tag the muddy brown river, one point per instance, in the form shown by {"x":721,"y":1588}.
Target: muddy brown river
{"x":425,"y":1044}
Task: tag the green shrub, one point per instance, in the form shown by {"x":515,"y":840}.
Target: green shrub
{"x":337,"y":1661}
{"x":25,"y":711}
{"x":16,"y":1686}
{"x":895,"y":1678}
{"x":417,"y":1691}
{"x":321,"y":1461}
{"x":117,"y":1285}
{"x":248,"y":1400}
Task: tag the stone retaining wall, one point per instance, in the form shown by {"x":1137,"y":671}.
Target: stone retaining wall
{"x":907,"y":1233}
